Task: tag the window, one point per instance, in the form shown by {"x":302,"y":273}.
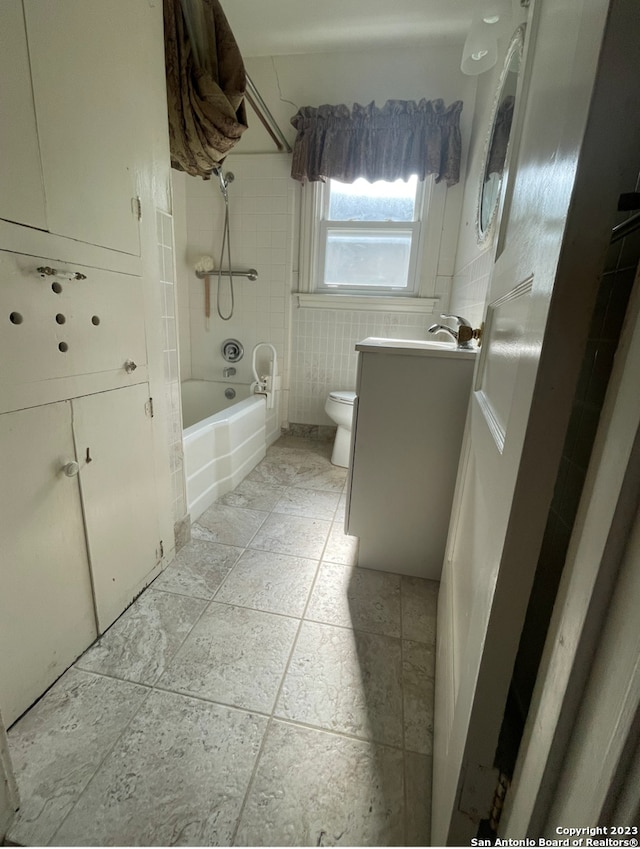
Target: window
{"x":368,"y":237}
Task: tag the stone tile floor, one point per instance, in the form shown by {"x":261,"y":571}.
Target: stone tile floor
{"x":263,"y":691}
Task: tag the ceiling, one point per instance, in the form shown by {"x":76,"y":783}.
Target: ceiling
{"x":276,"y":27}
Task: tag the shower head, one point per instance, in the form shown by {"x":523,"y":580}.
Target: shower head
{"x":224,"y":179}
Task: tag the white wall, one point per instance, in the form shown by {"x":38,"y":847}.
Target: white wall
{"x":474,"y":261}
{"x":316,"y":347}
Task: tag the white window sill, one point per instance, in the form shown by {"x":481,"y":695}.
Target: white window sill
{"x":367,"y":303}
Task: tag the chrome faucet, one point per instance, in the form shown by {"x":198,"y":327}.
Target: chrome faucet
{"x":228,"y":372}
{"x":462,"y":336}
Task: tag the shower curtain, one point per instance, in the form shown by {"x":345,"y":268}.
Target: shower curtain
{"x":205,"y":85}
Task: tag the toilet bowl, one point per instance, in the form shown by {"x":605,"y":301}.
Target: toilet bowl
{"x":339,"y":408}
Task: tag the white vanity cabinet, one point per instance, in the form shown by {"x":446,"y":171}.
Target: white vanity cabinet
{"x":409,"y":419}
{"x":71,"y":96}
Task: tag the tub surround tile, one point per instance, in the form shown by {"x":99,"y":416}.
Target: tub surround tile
{"x":59,"y":744}
{"x":313,"y":788}
{"x":294,"y":535}
{"x":230,"y":525}
{"x":139,"y":644}
{"x":235,"y":656}
{"x":341,"y":548}
{"x":254,"y":495}
{"x":356,"y":598}
{"x":177,"y":777}
{"x":199,"y":569}
{"x":417,"y":689}
{"x":275,"y":583}
{"x":419,"y":608}
{"x":344,"y":680}
{"x":312,"y":503}
{"x":417,"y":770}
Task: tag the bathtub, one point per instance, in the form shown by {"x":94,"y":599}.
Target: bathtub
{"x":223,"y":439}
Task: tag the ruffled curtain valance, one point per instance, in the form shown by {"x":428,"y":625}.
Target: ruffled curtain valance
{"x":205,"y":85}
{"x":389,"y":143}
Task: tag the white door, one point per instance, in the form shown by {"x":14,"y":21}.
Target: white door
{"x":46,"y":606}
{"x":575,"y":132}
{"x":21,"y":189}
{"x":114,"y":444}
{"x":89,"y":91}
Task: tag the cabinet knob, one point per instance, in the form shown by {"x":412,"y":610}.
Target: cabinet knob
{"x":130,"y":366}
{"x":71,"y":469}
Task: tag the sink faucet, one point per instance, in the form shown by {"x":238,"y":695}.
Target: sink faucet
{"x":462,"y":336}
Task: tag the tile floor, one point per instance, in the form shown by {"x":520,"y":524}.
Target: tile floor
{"x":263,"y":691}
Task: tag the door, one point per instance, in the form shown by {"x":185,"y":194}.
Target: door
{"x":21,"y":189}
{"x":46,"y":606}
{"x":114,"y":444}
{"x":87,"y":68}
{"x":575,"y":130}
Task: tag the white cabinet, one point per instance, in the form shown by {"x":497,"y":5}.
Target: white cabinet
{"x":77,"y":548}
{"x":113,"y":437}
{"x":70,"y":92}
{"x":46,"y":604}
{"x":21,"y":187}
{"x":408,"y":423}
{"x":61,"y":338}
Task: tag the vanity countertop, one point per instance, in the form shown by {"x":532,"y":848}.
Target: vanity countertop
{"x":414,"y":348}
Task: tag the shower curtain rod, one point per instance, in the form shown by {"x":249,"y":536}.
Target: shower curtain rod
{"x":254,"y":99}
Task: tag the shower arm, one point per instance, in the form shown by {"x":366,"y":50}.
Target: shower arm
{"x":251,"y":273}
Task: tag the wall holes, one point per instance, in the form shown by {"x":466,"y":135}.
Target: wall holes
{"x":16,"y":318}
{"x":95,"y":319}
{"x":60,"y":318}
{"x":56,"y":287}
{"x":63,"y":347}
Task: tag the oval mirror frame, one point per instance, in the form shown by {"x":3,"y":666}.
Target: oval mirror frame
{"x":496,"y":147}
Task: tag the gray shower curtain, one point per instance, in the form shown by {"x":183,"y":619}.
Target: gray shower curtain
{"x":205,"y":86}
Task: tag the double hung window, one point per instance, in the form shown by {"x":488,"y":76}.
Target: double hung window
{"x":368,"y":237}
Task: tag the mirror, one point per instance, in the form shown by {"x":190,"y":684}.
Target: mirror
{"x":497,"y":144}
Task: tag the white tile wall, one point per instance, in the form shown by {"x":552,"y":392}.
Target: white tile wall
{"x":164,"y":226}
{"x":324,"y":355}
{"x":264,"y":203}
{"x":470,"y":285}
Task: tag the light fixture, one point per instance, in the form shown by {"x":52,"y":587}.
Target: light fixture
{"x":491,"y":19}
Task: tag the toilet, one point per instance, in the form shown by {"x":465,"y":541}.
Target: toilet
{"x":339,"y":408}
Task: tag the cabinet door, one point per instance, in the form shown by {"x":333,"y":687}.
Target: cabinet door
{"x":46,"y":608}
{"x":85,"y":63}
{"x":21,"y":190}
{"x":114,"y":439}
{"x":63,"y":338}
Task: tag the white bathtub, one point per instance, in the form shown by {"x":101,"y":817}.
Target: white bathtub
{"x":223,"y":439}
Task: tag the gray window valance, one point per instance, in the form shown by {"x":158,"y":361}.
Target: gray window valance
{"x":389,"y":143}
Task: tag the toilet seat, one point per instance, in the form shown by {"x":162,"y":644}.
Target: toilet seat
{"x":342,"y":396}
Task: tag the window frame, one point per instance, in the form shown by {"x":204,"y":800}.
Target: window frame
{"x":430,"y":205}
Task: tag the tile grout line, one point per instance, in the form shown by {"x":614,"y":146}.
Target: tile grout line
{"x":272,"y":717}
{"x":111,"y":748}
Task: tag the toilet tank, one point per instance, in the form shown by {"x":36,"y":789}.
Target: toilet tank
{"x":409,"y":418}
